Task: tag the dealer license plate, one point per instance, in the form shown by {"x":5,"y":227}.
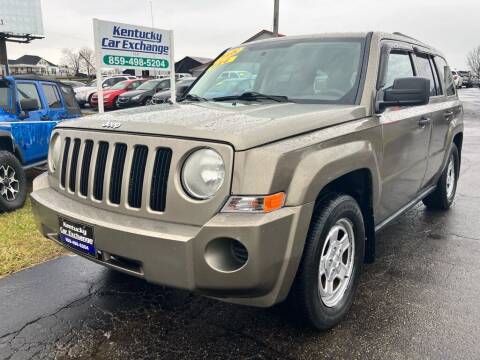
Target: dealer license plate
{"x":77,"y":236}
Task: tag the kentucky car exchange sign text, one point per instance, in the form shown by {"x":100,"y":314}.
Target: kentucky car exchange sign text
{"x":130,"y":46}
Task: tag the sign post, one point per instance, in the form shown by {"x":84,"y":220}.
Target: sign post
{"x":131,"y":46}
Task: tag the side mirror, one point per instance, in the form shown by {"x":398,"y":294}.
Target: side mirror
{"x":104,"y":86}
{"x":411,"y":91}
{"x":29,"y":105}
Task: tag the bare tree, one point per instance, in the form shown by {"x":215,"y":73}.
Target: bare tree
{"x":72,"y":60}
{"x":87,"y":56}
{"x":473,"y":59}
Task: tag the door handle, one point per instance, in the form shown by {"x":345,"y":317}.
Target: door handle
{"x":448,"y":113}
{"x":45,"y":117}
{"x":424,"y":121}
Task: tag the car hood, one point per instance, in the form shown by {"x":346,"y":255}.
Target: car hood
{"x":130,"y":94}
{"x":243,"y":126}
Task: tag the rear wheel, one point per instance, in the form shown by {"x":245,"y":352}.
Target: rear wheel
{"x":332,"y":262}
{"x":13,"y":182}
{"x":443,"y":196}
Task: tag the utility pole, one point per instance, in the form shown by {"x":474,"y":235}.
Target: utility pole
{"x":3,"y":53}
{"x":275,"y":17}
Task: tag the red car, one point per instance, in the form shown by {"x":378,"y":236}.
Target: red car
{"x":111,"y":95}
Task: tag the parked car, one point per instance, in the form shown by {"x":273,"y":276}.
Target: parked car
{"x":29,"y":109}
{"x":181,"y":76}
{"x":254,"y":196}
{"x":181,"y":89}
{"x":457,"y":79}
{"x":83,"y":94}
{"x":110,"y":96}
{"x":143,"y":94}
{"x":73,"y":84}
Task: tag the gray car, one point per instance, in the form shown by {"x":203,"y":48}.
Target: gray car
{"x":143,"y":94}
{"x":271,"y":188}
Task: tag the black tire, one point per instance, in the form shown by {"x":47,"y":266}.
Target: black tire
{"x":8,"y":200}
{"x":146,"y":101}
{"x":305,"y":295}
{"x":440,"y":198}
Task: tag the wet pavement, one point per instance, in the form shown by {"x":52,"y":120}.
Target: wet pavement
{"x":420,"y":299}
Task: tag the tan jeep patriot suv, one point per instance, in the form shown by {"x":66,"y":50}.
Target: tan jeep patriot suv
{"x":267,"y":185}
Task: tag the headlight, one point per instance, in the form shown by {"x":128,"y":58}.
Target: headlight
{"x":54,"y":152}
{"x":203,"y":173}
{"x":136,"y":97}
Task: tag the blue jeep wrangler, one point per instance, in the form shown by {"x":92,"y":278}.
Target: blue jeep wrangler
{"x":29,"y":110}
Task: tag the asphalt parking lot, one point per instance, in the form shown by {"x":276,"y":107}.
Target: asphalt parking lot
{"x":420,"y":300}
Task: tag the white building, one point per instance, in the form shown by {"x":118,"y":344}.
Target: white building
{"x":33,"y":64}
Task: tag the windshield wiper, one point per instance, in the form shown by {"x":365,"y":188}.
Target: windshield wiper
{"x":193,"y":97}
{"x":253,"y":96}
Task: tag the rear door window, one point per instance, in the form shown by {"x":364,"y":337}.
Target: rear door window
{"x":425,"y":71}
{"x":399,"y":66}
{"x":52,"y":96}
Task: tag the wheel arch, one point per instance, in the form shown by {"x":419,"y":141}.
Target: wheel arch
{"x":359,"y":185}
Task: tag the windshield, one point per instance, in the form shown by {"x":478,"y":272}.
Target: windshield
{"x":119,"y":86}
{"x":149,"y":85}
{"x":311,"y":70}
{"x":4,"y":97}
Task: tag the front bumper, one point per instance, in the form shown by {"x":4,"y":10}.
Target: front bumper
{"x":174,"y":254}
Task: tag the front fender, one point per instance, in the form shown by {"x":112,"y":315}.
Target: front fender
{"x":302,"y":166}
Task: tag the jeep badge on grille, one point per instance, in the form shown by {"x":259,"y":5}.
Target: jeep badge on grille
{"x":111,"y":125}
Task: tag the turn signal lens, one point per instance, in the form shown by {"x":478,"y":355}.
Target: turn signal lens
{"x":254,"y":204}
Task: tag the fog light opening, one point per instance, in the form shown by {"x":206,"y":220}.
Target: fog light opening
{"x":226,"y":255}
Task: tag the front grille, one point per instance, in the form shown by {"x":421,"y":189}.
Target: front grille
{"x":131,"y":175}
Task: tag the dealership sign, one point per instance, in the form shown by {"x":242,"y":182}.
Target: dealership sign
{"x":131,"y":46}
{"x":21,"y":17}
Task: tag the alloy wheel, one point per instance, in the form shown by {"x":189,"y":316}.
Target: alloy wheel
{"x":9,"y":185}
{"x":451,"y":177}
{"x":336,"y":262}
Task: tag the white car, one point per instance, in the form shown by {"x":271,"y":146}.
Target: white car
{"x":83,"y":94}
{"x":457,"y":79}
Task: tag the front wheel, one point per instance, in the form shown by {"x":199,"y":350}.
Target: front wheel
{"x":13,"y":182}
{"x":443,"y":196}
{"x":332,"y":261}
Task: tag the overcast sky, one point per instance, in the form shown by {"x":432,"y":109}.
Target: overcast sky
{"x":204,"y":28}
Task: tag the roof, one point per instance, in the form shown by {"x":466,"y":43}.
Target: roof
{"x":263,"y":34}
{"x":29,"y":60}
{"x":200,"y":59}
{"x":376,"y":36}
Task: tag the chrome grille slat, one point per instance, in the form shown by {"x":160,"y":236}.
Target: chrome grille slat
{"x":72,"y":178}
{"x":63,"y":170}
{"x":116,"y":173}
{"x":85,"y":170}
{"x":100,"y":168}
{"x":158,"y":190}
{"x":79,"y":166}
{"x":137,"y":175}
{"x":93,"y":165}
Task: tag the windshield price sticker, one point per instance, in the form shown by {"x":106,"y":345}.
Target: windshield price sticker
{"x":135,"y":61}
{"x":229,"y":57}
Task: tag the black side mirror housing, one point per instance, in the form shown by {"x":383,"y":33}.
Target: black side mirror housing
{"x":411,"y":91}
{"x":29,"y":105}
